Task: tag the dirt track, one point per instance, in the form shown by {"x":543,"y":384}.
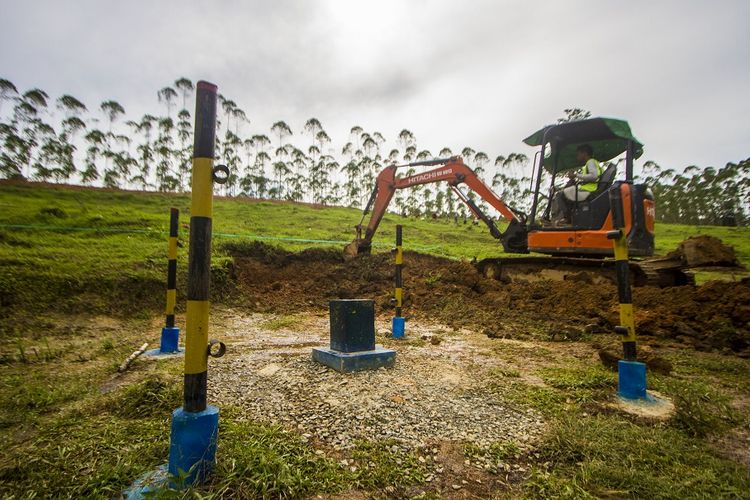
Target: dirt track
{"x":713,"y":316}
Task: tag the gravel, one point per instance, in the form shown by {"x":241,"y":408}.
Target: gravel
{"x":434,"y":393}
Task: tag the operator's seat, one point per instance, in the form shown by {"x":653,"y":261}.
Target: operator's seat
{"x":593,"y":211}
{"x":605,"y":180}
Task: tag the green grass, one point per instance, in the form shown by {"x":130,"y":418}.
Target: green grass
{"x":591,"y":451}
{"x":604,"y":456}
{"x":97,"y":250}
{"x":63,"y":435}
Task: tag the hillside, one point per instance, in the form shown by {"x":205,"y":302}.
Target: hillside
{"x":93,"y":244}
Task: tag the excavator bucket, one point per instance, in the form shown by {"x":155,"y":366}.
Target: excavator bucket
{"x":355,"y":248}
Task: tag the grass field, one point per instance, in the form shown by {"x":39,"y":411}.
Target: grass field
{"x":82,"y":277}
{"x":86,"y":248}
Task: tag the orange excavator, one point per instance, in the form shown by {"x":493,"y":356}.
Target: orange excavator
{"x":579,"y":244}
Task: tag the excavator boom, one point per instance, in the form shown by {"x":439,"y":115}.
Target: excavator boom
{"x":453,"y":171}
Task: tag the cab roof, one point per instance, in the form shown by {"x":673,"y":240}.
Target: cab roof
{"x":608,"y":138}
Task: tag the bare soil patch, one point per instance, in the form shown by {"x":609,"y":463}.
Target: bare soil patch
{"x":714,"y":316}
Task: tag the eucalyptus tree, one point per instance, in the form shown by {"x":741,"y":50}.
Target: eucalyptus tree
{"x":407,"y":141}
{"x":185,"y":88}
{"x":163,"y":145}
{"x":112,"y":110}
{"x":312,"y":127}
{"x":393,"y":155}
{"x":145,"y":150}
{"x":21,"y":134}
{"x":319,"y":174}
{"x":282,"y":131}
{"x":232,"y":146}
{"x":184,"y":152}
{"x":167,"y":95}
{"x":280,"y":168}
{"x":410,"y":153}
{"x":95,"y":139}
{"x":44,"y":163}
{"x":246,"y":181}
{"x":71,"y":125}
{"x":260,"y":179}
{"x":355,"y":132}
{"x":481,"y":160}
{"x":445,"y":152}
{"x":8,"y":92}
{"x":574,"y":114}
{"x":379,"y":139}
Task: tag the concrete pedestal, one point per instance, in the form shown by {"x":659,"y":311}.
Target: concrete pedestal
{"x":345,"y":362}
{"x":352,"y":345}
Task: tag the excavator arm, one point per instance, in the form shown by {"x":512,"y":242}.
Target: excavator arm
{"x":455,"y":172}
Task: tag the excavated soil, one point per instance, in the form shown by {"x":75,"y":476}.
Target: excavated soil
{"x":705,"y":250}
{"x":714,"y":316}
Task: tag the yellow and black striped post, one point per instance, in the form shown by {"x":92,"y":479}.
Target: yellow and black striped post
{"x":631,"y":374}
{"x":195,"y":426}
{"x":398,"y":320}
{"x":174,"y":219}
{"x":170,"y":334}
{"x":199,"y":259}
{"x":626,"y":328}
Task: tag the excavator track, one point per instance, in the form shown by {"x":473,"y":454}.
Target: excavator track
{"x":658,"y":272}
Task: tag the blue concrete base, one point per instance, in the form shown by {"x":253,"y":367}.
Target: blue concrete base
{"x":399,"y":324}
{"x":170,"y":338}
{"x":631,"y":379}
{"x":156,"y":353}
{"x":345,"y":362}
{"x":192,"y":445}
{"x":148,"y":485}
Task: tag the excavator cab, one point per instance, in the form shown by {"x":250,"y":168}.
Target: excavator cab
{"x":591,"y":218}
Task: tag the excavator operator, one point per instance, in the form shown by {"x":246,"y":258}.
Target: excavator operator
{"x":579,"y":187}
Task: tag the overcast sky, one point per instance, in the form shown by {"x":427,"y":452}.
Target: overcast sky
{"x":479,"y":73}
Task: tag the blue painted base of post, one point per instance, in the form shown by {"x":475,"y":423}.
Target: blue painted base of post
{"x":170,"y":338}
{"x":192,"y":445}
{"x":169,"y":346}
{"x":346,"y":362}
{"x":631,"y":379}
{"x":399,"y":324}
{"x":148,"y":485}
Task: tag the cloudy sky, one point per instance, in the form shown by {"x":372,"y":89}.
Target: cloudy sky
{"x":478,"y":73}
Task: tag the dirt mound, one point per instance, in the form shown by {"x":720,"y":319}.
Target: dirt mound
{"x":712,"y":316}
{"x":698,"y":251}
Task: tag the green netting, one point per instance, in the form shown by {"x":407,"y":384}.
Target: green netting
{"x":607,"y":136}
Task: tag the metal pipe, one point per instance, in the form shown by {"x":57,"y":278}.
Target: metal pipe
{"x":199,"y":260}
{"x":398,"y":294}
{"x":626,"y":328}
{"x":174,"y":218}
{"x":629,"y":153}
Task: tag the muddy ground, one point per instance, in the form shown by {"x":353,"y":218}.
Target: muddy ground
{"x":714,"y":316}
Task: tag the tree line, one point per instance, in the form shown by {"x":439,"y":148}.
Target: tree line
{"x":64,"y":141}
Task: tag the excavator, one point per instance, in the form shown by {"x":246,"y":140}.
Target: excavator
{"x":579,"y":245}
